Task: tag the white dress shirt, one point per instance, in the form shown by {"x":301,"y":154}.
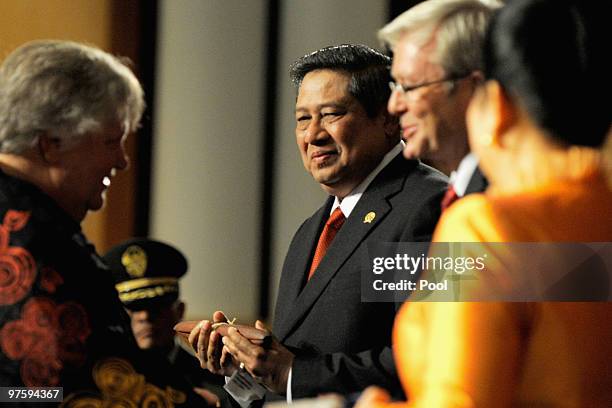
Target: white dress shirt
{"x":461,"y":177}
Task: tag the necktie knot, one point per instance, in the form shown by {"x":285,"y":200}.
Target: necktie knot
{"x":449,"y":197}
{"x":336,"y":219}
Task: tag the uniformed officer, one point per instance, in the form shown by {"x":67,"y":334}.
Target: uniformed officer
{"x":147,"y":274}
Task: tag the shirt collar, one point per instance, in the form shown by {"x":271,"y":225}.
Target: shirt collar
{"x":350,"y":201}
{"x":461,"y":177}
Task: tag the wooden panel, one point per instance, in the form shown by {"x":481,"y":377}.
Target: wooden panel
{"x":115,"y":222}
{"x":79,"y":20}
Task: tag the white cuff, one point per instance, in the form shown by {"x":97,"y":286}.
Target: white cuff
{"x":243,"y":388}
{"x":289,"y":396}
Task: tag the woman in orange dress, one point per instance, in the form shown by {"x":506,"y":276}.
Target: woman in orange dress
{"x":537,"y":125}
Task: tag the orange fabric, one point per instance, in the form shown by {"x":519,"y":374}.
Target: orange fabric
{"x":466,"y":354}
{"x":332,"y":226}
{"x":576,"y":211}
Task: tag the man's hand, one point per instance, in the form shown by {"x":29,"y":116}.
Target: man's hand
{"x":211,"y":399}
{"x":209,"y":349}
{"x":371,"y":397}
{"x":270,"y":365}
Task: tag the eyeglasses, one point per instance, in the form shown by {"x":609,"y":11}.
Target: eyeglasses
{"x":406,"y":89}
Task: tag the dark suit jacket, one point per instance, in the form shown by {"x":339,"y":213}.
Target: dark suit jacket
{"x":189,"y":366}
{"x":341,"y":343}
{"x":477,"y":184}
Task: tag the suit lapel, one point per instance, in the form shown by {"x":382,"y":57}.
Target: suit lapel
{"x":477,"y":184}
{"x":354,"y":231}
{"x":292,"y":280}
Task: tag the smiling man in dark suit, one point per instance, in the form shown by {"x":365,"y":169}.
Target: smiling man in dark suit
{"x":437,"y":66}
{"x":325,"y":338}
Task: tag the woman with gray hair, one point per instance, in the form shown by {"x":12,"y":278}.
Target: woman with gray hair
{"x":65,"y":112}
{"x":58,"y":102}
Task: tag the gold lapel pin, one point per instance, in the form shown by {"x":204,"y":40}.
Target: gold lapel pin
{"x":369,"y":217}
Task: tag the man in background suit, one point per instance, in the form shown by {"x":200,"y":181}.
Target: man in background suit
{"x":326,"y":339}
{"x":437,"y":64}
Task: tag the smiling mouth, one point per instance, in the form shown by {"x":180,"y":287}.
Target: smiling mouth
{"x":409,"y":131}
{"x":322,"y":157}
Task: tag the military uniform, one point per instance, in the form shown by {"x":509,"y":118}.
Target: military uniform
{"x":147,"y":274}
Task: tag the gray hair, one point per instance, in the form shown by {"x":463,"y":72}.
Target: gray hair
{"x":66,"y":89}
{"x":459,"y":26}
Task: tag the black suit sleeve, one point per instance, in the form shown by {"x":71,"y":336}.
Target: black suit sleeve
{"x":343,"y":373}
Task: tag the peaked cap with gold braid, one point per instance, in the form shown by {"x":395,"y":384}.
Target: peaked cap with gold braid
{"x":146,"y":272}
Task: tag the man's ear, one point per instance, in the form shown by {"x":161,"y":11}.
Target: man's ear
{"x":477,"y":78}
{"x":391,"y":125}
{"x":180,"y":310}
{"x":49,"y":147}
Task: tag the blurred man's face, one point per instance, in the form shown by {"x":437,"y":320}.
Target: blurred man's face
{"x":82,"y":172}
{"x":432,"y":117}
{"x":339,"y":144}
{"x":153,"y":327}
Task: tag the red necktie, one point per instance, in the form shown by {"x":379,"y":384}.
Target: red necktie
{"x":332,"y":226}
{"x":449,"y":197}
